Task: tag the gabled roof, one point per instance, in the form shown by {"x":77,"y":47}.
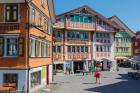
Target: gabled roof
{"x":92,"y":12}
{"x":117,"y":21}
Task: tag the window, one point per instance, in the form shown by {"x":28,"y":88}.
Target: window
{"x":78,"y":48}
{"x":42,"y":3}
{"x":97,"y":48}
{"x":33,"y":16}
{"x":35,"y":79}
{"x":48,"y":49}
{"x":73,"y":49}
{"x":82,"y":48}
{"x":10,"y":78}
{"x":57,"y":34}
{"x":86,"y":49}
{"x":11,"y":13}
{"x":69,"y":48}
{"x":12,"y":45}
{"x":45,"y":25}
{"x":101,"y":48}
{"x":59,"y":49}
{"x":54,"y":48}
{"x":97,"y":35}
{"x":42,"y":49}
{"x":40,"y":21}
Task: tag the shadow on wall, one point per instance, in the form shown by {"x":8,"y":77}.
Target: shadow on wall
{"x":128,"y":86}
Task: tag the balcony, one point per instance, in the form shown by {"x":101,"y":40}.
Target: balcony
{"x":103,"y":54}
{"x":83,"y":26}
{"x":57,"y":56}
{"x":78,"y":56}
{"x":5,"y":27}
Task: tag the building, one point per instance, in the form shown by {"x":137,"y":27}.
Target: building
{"x":136,"y":44}
{"x":82,"y":36}
{"x":123,"y":40}
{"x":25,"y":43}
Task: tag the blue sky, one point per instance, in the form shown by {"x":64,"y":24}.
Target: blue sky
{"x":127,"y":10}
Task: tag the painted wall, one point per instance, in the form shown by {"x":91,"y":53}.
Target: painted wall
{"x":123,"y":44}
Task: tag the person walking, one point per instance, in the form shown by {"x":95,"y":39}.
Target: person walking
{"x":97,"y":75}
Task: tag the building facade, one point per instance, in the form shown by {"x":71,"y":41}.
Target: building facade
{"x":136,"y":44}
{"x":25,"y":44}
{"x":124,"y":42}
{"x":78,"y":34}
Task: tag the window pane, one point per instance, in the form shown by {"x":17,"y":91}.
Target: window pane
{"x":12,"y":47}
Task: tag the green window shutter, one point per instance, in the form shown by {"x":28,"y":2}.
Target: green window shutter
{"x":77,"y":18}
{"x":1,"y":46}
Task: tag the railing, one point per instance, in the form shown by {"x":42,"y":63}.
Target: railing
{"x":78,"y":56}
{"x":57,"y":56}
{"x":9,"y":26}
{"x":103,"y":54}
{"x":81,"y":25}
{"x":73,"y":41}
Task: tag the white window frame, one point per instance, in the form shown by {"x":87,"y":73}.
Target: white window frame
{"x":5,"y":45}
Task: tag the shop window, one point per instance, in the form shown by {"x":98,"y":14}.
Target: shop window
{"x":1,"y":46}
{"x":35,"y":79}
{"x":11,"y":13}
{"x":10,"y":80}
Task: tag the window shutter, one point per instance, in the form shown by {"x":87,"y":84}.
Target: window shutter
{"x":37,"y":48}
{"x":30,"y":47}
{"x":20,"y":46}
{"x":1,"y":46}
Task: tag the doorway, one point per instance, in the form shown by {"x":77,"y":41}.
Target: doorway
{"x":78,"y":67}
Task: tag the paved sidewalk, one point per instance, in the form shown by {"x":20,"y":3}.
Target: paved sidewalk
{"x":111,"y":82}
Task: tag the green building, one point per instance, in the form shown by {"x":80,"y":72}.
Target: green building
{"x":123,"y":40}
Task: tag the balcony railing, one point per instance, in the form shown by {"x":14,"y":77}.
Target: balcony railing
{"x":103,"y":54}
{"x":9,"y":27}
{"x":81,"y":25}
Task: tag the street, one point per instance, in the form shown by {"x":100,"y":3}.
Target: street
{"x":111,"y":82}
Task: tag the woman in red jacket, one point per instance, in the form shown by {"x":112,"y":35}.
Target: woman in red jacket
{"x":97,"y":75}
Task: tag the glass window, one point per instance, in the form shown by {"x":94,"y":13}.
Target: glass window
{"x":82,"y":48}
{"x":12,"y":47}
{"x":35,"y":79}
{"x":97,"y":48}
{"x":54,"y":48}
{"x":40,"y":21}
{"x":86,"y":49}
{"x":11,"y":13}
{"x":59,"y":49}
{"x":69,"y":48}
{"x":78,"y":48}
{"x":73,"y":49}
{"x":45,"y":54}
{"x":33,"y":16}
{"x":45,"y":25}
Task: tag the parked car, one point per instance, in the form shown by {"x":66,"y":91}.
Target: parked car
{"x":125,"y":64}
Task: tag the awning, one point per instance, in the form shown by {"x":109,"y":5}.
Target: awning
{"x":122,"y":58}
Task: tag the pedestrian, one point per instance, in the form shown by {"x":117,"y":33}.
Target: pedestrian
{"x":97,"y":75}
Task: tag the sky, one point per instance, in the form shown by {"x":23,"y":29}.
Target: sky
{"x":127,"y":10}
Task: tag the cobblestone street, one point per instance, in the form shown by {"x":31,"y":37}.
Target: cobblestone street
{"x":111,"y":82}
